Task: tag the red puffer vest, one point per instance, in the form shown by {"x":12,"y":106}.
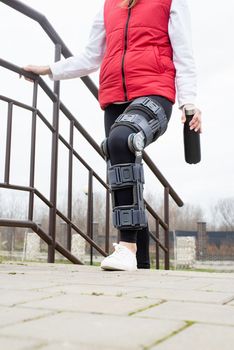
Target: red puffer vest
{"x":138,"y":56}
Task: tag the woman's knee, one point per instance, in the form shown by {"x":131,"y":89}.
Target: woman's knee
{"x":118,"y":144}
{"x":118,"y":139}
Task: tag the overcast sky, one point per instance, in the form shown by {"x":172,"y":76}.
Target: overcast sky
{"x":24,"y":42}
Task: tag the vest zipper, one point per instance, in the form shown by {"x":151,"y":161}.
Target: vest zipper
{"x":124,"y":53}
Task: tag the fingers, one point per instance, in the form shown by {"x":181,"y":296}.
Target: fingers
{"x":195,"y":123}
{"x":31,"y":68}
{"x":183,"y":117}
{"x":26,"y":78}
{"x":28,"y":68}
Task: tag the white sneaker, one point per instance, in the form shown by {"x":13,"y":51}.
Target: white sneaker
{"x":122,"y":259}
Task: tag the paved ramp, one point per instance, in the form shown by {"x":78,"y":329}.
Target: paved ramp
{"x":73,"y":307}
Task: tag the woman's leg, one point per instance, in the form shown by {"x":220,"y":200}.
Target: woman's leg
{"x":120,"y":154}
{"x":111,"y":114}
{"x":142,"y":255}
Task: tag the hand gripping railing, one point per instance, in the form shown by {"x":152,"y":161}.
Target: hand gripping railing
{"x":50,"y":239}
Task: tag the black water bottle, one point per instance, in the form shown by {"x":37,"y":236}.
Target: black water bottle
{"x":192,"y":148}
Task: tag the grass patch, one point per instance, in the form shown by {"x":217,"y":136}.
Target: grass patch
{"x":62,"y":261}
{"x":203,"y":270}
{"x":170,"y":335}
{"x":97,"y":294}
{"x":146,"y":308}
{"x":141,"y":297}
{"x":95,"y":263}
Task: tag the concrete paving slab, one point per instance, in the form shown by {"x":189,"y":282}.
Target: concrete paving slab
{"x":13,"y":315}
{"x":27,"y":282}
{"x":101,"y":330}
{"x":16,"y":297}
{"x":75,"y":346}
{"x":209,"y":275}
{"x":87,"y":289}
{"x":19,"y":344}
{"x":208,"y":313}
{"x":37,"y":267}
{"x":220,"y":286}
{"x":183,"y":283}
{"x":93,"y":303}
{"x":40,"y":268}
{"x":195,"y":296}
{"x":70,"y":307}
{"x":200,"y":336}
{"x":16,"y":280}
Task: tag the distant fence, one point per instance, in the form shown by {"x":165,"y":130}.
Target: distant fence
{"x":214,"y":245}
{"x":209,"y":245}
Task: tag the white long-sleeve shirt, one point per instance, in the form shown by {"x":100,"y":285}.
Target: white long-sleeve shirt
{"x":179,"y":30}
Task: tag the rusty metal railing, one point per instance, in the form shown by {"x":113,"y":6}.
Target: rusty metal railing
{"x":54,"y":96}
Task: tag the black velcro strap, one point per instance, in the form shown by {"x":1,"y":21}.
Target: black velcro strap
{"x":129,"y":218}
{"x":122,"y":175}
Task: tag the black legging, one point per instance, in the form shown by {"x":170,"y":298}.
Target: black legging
{"x":120,"y":154}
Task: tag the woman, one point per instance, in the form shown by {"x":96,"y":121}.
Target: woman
{"x":144,"y":50}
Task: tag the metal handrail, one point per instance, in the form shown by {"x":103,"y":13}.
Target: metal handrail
{"x":56,"y":39}
{"x":162,"y":179}
{"x":32,"y":190}
{"x":61,"y":48}
{"x":53,"y":97}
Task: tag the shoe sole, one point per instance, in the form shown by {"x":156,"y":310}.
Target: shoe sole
{"x":116,"y":268}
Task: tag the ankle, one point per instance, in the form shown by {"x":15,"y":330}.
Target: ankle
{"x":131,"y":246}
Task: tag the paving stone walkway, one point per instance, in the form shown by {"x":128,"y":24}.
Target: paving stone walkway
{"x":72,"y":307}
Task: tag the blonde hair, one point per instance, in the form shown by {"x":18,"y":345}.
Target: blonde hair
{"x":129,"y":3}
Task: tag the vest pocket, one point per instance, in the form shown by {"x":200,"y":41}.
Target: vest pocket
{"x":159,"y":65}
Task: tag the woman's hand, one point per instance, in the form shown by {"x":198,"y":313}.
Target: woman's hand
{"x":196,"y":122}
{"x":39,"y":70}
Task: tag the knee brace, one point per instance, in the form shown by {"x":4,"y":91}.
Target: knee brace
{"x":148,"y":126}
{"x":129,"y":175}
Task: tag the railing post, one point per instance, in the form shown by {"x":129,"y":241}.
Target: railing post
{"x":166,"y":220}
{"x":8,"y":143}
{"x":157,"y":245}
{"x":54,"y":165}
{"x":107,"y":228}
{"x":33,"y":149}
{"x":69,"y":199}
{"x":90,"y":213}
